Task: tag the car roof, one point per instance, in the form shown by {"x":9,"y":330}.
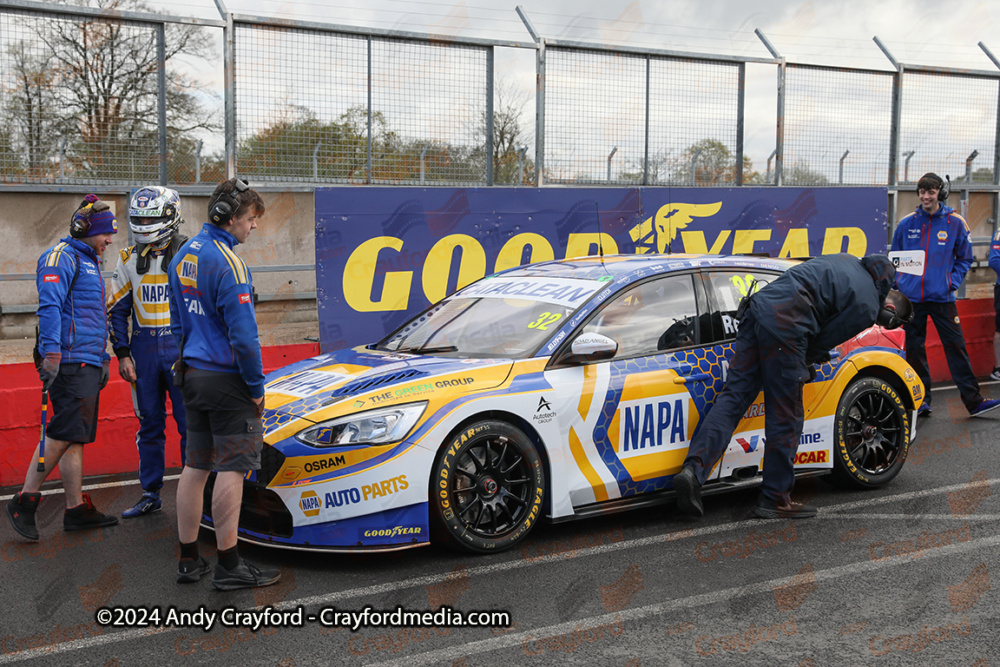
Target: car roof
{"x":618,"y":266}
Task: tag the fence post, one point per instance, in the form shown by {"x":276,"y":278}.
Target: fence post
{"x":740,"y":121}
{"x":539,"y":96}
{"x":489,"y":116}
{"x":779,"y":138}
{"x":897,"y":112}
{"x":161,"y":98}
{"x":229,"y":96}
{"x":996,"y":147}
{"x":369,"y":161}
{"x":645,"y":151}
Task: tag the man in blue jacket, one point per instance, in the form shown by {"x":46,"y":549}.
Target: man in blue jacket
{"x":72,"y":364}
{"x":789,"y":325}
{"x":943,"y":235}
{"x":222,"y":379}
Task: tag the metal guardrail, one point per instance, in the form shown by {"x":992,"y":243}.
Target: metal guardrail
{"x":271,"y":268}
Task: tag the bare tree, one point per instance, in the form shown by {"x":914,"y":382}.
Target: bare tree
{"x":99,"y":80}
{"x":509,"y":103}
{"x":28,"y":111}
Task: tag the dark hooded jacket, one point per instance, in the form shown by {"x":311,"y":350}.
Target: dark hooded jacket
{"x":820,"y":303}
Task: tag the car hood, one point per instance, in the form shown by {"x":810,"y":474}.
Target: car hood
{"x":360,"y":379}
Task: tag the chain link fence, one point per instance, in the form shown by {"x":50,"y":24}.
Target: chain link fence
{"x":838,"y":125}
{"x":79,"y":100}
{"x":949,"y":126}
{"x":88,"y":98}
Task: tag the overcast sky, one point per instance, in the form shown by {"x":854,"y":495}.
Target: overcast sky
{"x":840,"y":33}
{"x":831,"y":32}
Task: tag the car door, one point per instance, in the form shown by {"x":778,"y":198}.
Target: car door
{"x":627,"y":420}
{"x":725,"y":290}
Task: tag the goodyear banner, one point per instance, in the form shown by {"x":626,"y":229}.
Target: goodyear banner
{"x":385,"y":254}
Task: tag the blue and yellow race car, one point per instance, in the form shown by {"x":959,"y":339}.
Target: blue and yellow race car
{"x":554,"y":391}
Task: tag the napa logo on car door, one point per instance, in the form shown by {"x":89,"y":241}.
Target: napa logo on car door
{"x":651,"y":434}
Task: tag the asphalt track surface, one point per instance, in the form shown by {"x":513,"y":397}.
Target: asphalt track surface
{"x":902,"y":575}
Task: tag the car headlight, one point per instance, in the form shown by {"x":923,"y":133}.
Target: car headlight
{"x":374,"y":427}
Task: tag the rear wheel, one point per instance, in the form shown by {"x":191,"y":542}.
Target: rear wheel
{"x":872,"y":434}
{"x":487,"y":488}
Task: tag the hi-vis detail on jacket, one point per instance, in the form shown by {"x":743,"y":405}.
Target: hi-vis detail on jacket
{"x":148,"y":293}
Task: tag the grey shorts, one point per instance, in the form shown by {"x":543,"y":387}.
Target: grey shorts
{"x":224,"y":432}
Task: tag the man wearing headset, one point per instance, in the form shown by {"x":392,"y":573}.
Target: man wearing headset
{"x":72,"y":364}
{"x":943,"y":236}
{"x":139,"y":294}
{"x":221,"y":376}
{"x":785,"y":328}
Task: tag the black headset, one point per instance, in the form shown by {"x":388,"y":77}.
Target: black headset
{"x":888,"y":318}
{"x":943,"y":187}
{"x":80,"y":226}
{"x":226,"y":204}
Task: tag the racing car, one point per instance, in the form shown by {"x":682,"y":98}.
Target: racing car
{"x":556,"y":391}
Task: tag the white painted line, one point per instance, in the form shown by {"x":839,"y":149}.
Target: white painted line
{"x":910,"y":517}
{"x":447,"y":655}
{"x":90,"y":487}
{"x":486,"y":645}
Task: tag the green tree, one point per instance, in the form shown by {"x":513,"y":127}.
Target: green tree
{"x":298,"y":145}
{"x":984,"y":175}
{"x":799,"y":173}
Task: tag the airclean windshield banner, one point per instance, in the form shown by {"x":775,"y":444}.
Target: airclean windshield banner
{"x":385,"y":254}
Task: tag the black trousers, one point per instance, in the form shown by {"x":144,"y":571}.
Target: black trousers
{"x":945,"y":318}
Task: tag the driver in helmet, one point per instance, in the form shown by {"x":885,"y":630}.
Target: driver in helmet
{"x":139,"y":293}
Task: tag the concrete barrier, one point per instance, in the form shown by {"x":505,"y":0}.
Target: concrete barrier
{"x":114,"y":451}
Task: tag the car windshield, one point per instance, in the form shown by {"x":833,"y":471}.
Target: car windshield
{"x":495,"y":317}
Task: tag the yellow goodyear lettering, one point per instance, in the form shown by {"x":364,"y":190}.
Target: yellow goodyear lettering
{"x":359,"y":278}
{"x":471,"y":267}
{"x":833,"y":241}
{"x":512,"y":251}
{"x":583,"y":244}
{"x":371,"y":257}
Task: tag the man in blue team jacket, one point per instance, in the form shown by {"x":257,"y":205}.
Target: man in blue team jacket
{"x":221,"y":376}
{"x":791,"y":324}
{"x":943,"y":235}
{"x":72,"y":364}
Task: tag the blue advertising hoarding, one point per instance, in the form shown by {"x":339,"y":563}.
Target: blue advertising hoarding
{"x":385,"y":254}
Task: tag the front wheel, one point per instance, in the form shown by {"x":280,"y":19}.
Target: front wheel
{"x":872,"y":435}
{"x":487,"y":488}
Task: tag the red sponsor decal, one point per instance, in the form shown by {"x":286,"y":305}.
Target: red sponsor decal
{"x":50,"y":279}
{"x":244,"y":298}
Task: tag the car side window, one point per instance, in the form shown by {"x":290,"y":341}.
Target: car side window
{"x":727,"y":288}
{"x":653,"y":317}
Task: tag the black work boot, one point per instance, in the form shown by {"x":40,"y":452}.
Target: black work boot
{"x":86,"y":516}
{"x":688,"y":490}
{"x":21,"y":512}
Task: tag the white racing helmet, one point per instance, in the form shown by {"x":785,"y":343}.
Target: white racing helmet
{"x":154,"y":213}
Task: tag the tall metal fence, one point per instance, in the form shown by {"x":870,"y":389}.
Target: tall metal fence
{"x":93,"y":98}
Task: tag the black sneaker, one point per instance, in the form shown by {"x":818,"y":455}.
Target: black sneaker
{"x":244,"y":575}
{"x":688,"y":492}
{"x":191,"y":571}
{"x":765,"y":508}
{"x":86,"y":516}
{"x":21,"y":512}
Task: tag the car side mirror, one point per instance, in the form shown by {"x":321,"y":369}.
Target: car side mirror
{"x":590,"y":347}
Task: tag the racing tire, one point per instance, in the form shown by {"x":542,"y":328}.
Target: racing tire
{"x":871,"y":435}
{"x":487,"y":488}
